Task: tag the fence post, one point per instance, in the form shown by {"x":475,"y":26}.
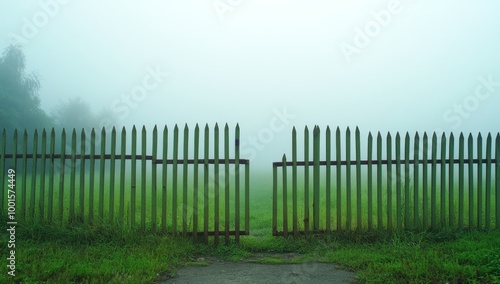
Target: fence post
{"x":470,"y":156}
{"x":33,"y":175}
{"x":328,"y":180}
{"x":154,"y":185}
{"x":451,"y":180}
{"x":306,"y":179}
{"x":398,"y":183}
{"x":285,"y":197}
{"x":488,"y":184}
{"x":294,"y":182}
{"x":82,"y":175}
{"x":112,"y":173}
{"x":236,"y":183}
{"x":379,"y":182}
{"x":358,"y":180}
{"x":433,"y":181}
{"x":389,"y":182}
{"x":443,"y":180}
{"x":164,"y":181}
{"x":479,"y":182}
{"x":316,"y":203}
{"x":370,"y":181}
{"x":92,"y":174}
{"x":123,"y":152}
{"x":61,"y":174}
{"x":195,"y":182}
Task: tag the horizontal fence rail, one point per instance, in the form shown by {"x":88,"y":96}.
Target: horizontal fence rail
{"x":426,"y":188}
{"x":112,"y":181}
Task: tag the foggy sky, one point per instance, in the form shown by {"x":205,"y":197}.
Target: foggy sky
{"x":268,"y":65}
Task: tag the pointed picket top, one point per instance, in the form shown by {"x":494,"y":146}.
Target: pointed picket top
{"x":338,"y":130}
{"x":155,"y":129}
{"x":294,"y":130}
{"x":426,"y":137}
{"x":103,"y":131}
{"x":389,"y":137}
{"x":434,"y":137}
{"x":348,"y":131}
{"x":197,"y":127}
{"x":461,"y":137}
{"x":357,"y":130}
{"x":216,"y":128}
{"x":186,"y":127}
{"x":44,"y":133}
{"x":379,"y":136}
{"x":206,"y":127}
{"x":497,"y":140}
{"x":73,"y":134}
{"x":370,"y":136}
{"x":398,"y":137}
{"x":124,"y":131}
{"x":284,"y":160}
{"x":327,"y":128}
{"x":489,"y":135}
{"x":144,"y":128}
{"x":407,"y":135}
{"x":470,"y":138}
{"x":306,"y":129}
{"x":133,"y":128}
{"x":15,"y":132}
{"x":417,"y":136}
{"x":25,"y":134}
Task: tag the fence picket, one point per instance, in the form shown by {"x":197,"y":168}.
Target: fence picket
{"x":185,"y":169}
{"x":164,"y":181}
{"x":370,"y":181}
{"x":379,"y":182}
{"x":62,"y":166}
{"x":41,"y":204}
{"x":433,"y":181}
{"x":316,"y":158}
{"x":102,"y":171}
{"x":81,"y":212}
{"x":195,"y":181}
{"x":470,"y":156}
{"x":398,"y":183}
{"x":143,"y":178}
{"x":174,"y":179}
{"x":416,"y":218}
{"x":34,"y":174}
{"x":133,"y":178}
{"x":216,"y":184}
{"x":339,"y":178}
{"x":3,"y":171}
{"x":294,"y":184}
{"x":112,"y":170}
{"x":236,"y":183}
{"x":91,"y":174}
{"x":306,"y":179}
{"x":226,"y":182}
{"x":443,"y":180}
{"x":407,"y":181}
{"x":285,"y":199}
{"x":479,"y":182}
{"x":123,"y":151}
{"x":24,"y":176}
{"x":358,"y":180}
{"x":487,"y":205}
{"x":389,"y":182}
{"x":461,"y":182}
{"x":154,"y":173}
{"x":425,"y":188}
{"x":205,"y":183}
{"x":348,"y":178}
{"x":72,"y":187}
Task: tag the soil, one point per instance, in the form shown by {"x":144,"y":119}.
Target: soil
{"x":212,"y":270}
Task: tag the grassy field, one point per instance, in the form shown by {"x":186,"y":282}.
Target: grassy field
{"x":98,"y":253}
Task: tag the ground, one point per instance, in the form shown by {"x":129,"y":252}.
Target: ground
{"x":213,"y":270}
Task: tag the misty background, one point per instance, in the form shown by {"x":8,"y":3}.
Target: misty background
{"x":268,"y":65}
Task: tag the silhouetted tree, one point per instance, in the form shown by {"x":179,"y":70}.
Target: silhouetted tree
{"x":19,"y":101}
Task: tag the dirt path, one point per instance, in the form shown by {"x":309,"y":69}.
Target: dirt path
{"x":225,"y":272}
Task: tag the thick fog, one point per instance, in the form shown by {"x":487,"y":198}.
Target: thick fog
{"x":268,"y":65}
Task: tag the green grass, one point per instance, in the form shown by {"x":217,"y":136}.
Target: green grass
{"x":92,"y":252}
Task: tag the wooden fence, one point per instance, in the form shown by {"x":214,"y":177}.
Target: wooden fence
{"x":131,"y":189}
{"x":415,"y":192}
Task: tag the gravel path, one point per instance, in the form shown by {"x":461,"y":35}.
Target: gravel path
{"x":225,"y":272}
